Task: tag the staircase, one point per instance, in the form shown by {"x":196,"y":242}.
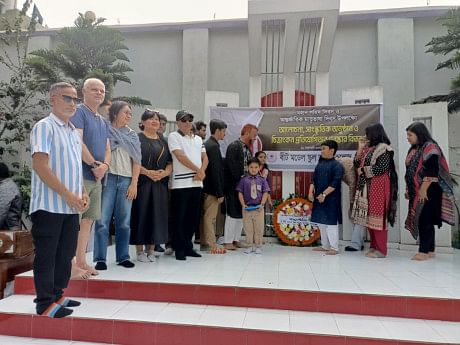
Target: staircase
{"x":135,"y":308}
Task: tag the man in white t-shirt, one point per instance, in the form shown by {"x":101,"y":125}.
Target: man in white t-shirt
{"x":189,"y":164}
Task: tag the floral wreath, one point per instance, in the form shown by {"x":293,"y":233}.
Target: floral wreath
{"x":291,"y":220}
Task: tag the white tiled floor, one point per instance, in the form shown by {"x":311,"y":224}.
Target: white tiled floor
{"x":439,"y":332}
{"x":302,"y":269}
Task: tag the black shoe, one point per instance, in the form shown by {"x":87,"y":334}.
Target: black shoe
{"x":350,"y":249}
{"x":126,"y":264}
{"x":193,"y":254}
{"x":100,"y":266}
{"x":180,"y":256}
{"x":159,"y":248}
{"x":68,"y":303}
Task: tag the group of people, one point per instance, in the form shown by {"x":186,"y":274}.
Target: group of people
{"x":94,"y":172}
{"x":374,"y":184}
{"x":88,"y":170}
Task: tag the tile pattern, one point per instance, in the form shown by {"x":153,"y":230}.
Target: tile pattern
{"x":134,"y":322}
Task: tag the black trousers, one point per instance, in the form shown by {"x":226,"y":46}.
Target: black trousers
{"x":55,"y":239}
{"x":185,"y":213}
{"x":426,"y":231}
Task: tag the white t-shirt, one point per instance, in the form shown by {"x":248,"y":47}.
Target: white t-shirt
{"x":192,"y":146}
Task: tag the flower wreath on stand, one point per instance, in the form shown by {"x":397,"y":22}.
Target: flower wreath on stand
{"x":291,"y":220}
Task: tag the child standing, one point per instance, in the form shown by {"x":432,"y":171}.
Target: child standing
{"x":264,"y":172}
{"x":325,"y":192}
{"x":253,"y":192}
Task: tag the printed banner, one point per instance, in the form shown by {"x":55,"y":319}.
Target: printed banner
{"x":292,"y":137}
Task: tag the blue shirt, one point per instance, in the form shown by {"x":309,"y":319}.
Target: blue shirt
{"x":95,"y":135}
{"x":328,"y":173}
{"x":63,"y":145}
{"x":245,"y":187}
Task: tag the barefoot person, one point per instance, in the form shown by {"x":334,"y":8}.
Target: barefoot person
{"x":429,"y":189}
{"x":374,"y":204}
{"x":325,"y":192}
{"x":57,"y":197}
{"x":96,"y":160}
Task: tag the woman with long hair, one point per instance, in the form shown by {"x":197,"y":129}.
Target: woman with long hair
{"x":149,"y":218}
{"x":120,"y":187}
{"x":374,"y":204}
{"x":429,"y":189}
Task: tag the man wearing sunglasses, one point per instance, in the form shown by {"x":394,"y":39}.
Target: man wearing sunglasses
{"x":57,"y":197}
{"x":189,"y":164}
{"x":96,"y":160}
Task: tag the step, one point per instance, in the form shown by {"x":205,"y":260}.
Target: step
{"x":135,"y":322}
{"x":286,"y":278}
{"x":8,"y":340}
{"x":445,"y":309}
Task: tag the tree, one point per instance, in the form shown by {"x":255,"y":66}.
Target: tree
{"x":448,"y":44}
{"x":21,"y":96}
{"x":88,"y":49}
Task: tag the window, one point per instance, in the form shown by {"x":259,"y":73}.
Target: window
{"x":427,"y":121}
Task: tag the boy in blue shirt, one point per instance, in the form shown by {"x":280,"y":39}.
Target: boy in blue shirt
{"x":325,"y":192}
{"x":253,"y":192}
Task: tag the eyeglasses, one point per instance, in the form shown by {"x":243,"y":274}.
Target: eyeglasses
{"x":186,"y":120}
{"x":70,"y":99}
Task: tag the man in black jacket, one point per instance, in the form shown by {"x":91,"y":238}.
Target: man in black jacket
{"x":213,"y":187}
{"x":236,"y":163}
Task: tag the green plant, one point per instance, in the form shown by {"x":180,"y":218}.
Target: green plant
{"x":88,"y":49}
{"x":448,"y":45}
{"x":23,"y":180}
{"x":20,"y":95}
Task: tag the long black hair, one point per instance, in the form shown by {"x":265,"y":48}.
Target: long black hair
{"x":376,"y":135}
{"x":265,"y":166}
{"x":422,"y":133}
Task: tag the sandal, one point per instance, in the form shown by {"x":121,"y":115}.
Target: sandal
{"x":217,"y":250}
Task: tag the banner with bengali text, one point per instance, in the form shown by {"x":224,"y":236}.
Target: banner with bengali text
{"x":292,"y":137}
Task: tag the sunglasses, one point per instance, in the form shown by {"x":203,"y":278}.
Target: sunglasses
{"x":70,"y":99}
{"x":186,"y":120}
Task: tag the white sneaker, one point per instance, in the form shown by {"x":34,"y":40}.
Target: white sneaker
{"x":142,"y":257}
{"x":169,"y":251}
{"x":248,"y":250}
{"x":258,"y":250}
{"x":151,"y":256}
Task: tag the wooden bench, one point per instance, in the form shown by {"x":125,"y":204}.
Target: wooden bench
{"x":16,"y":255}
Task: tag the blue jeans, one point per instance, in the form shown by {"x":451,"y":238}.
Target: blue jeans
{"x":114,"y":202}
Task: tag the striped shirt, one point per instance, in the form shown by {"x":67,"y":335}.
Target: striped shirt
{"x":63,"y":145}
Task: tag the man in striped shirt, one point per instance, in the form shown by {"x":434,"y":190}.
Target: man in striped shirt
{"x":58,"y":196}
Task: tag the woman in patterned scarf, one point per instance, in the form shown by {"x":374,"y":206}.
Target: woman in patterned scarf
{"x":376,"y":195}
{"x":429,"y":189}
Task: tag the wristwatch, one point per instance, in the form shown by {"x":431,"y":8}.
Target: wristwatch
{"x":94,"y":165}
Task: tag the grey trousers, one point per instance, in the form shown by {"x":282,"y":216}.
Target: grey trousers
{"x":357,"y":237}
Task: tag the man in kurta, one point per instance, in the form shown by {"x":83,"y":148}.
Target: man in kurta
{"x":325,"y":192}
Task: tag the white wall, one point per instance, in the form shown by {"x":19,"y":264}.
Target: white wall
{"x":354,"y":58}
{"x":229,"y":62}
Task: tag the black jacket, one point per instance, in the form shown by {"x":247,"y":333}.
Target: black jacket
{"x":213,"y":184}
